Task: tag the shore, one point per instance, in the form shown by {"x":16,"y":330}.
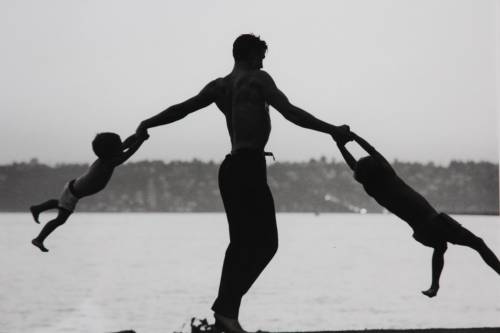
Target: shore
{"x":423,"y":330}
{"x":406,"y":330}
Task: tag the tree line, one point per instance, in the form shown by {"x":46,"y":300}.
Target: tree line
{"x":314,"y":186}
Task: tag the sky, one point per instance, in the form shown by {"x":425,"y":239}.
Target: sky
{"x":418,"y":79}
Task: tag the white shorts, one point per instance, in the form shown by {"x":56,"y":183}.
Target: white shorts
{"x":68,"y":200}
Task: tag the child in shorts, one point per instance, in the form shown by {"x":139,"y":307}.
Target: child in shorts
{"x":111,"y":152}
{"x":430,"y":228}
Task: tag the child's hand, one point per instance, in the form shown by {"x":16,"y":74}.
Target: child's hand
{"x":341,"y":134}
{"x":144,"y":135}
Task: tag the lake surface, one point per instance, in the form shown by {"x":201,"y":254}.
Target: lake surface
{"x":153,"y":272}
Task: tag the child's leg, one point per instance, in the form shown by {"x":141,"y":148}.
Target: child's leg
{"x":455,"y":233}
{"x":37,"y":209}
{"x":469,"y":239}
{"x":50,"y":227}
{"x":437,"y":268}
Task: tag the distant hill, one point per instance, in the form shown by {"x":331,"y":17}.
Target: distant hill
{"x":313,"y":186}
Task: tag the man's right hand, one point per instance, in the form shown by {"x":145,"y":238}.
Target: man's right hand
{"x":342,"y":134}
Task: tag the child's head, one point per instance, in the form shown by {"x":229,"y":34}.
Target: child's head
{"x":107,"y":145}
{"x":369,"y":169}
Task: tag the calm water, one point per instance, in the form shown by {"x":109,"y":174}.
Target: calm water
{"x":152,"y":272}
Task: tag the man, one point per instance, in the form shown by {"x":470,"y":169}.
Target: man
{"x":243,"y":97}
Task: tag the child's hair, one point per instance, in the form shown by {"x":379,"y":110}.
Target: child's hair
{"x":106,"y":144}
{"x":369,"y":169}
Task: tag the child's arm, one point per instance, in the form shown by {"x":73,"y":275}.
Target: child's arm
{"x":134,"y":142}
{"x":349,"y":159}
{"x":128,"y":142}
{"x":369,"y":148}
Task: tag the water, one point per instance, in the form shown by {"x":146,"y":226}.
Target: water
{"x":152,"y":272}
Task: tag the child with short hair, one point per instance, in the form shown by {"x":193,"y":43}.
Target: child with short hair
{"x":430,"y":228}
{"x":111,"y":152}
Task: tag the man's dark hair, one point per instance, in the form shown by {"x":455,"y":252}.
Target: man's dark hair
{"x":247,"y":46}
{"x":106,"y":144}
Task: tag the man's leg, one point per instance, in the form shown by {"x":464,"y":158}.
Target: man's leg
{"x":62,"y":216}
{"x":253,"y":243}
{"x":253,"y":238}
{"x":437,"y":268}
{"x":37,"y":209}
{"x":260,"y":240}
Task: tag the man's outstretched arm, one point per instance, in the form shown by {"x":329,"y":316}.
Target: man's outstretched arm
{"x":179,"y":111}
{"x":278,"y":100}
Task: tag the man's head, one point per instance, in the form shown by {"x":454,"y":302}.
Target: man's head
{"x":107,"y":145}
{"x":249,"y":49}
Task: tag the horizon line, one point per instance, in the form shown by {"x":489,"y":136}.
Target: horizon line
{"x":35,"y":160}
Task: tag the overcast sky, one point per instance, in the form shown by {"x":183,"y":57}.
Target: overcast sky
{"x":419,"y":79}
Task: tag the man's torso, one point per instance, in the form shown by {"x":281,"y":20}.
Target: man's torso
{"x":241,"y":99}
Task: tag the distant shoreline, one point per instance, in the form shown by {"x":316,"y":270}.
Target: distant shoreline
{"x":317,"y":186}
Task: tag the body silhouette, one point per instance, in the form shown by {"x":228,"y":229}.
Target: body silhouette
{"x":111,"y":152}
{"x":244,"y":96}
{"x":430,"y":228}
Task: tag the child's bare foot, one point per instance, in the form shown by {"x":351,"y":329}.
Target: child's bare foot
{"x":35,"y":213}
{"x":39,"y":245}
{"x":228,"y":325}
{"x":431,"y":292}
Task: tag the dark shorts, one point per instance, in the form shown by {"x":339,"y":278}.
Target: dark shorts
{"x":68,"y":199}
{"x":439,"y":230}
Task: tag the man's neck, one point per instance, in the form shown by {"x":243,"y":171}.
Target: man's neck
{"x":242,"y":66}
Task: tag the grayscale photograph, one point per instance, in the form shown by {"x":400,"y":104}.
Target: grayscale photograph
{"x":234,"y":166}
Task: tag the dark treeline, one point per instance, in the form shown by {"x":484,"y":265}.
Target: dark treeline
{"x":313,"y":186}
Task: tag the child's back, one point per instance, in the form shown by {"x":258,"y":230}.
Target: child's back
{"x":95,"y":179}
{"x":383,"y":184}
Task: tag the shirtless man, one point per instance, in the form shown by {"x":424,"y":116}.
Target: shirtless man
{"x":243,"y":97}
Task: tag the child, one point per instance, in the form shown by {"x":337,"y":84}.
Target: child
{"x":430,"y":228}
{"x":111,"y":152}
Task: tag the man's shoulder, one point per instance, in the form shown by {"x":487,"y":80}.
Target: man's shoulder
{"x":216,"y":85}
{"x":263,"y":75}
{"x":261,"y":78}
{"x":217,"y":82}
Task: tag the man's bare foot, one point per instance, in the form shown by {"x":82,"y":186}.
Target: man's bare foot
{"x":228,"y":325}
{"x":431,"y":292}
{"x":35,"y":213}
{"x":39,"y":245}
